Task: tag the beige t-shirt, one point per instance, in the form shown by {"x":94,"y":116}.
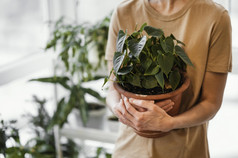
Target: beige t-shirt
{"x":205,"y":28}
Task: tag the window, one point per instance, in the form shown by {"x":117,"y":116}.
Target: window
{"x":22,"y":29}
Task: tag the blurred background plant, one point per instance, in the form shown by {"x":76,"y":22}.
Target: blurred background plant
{"x":76,"y":44}
{"x":41,"y":145}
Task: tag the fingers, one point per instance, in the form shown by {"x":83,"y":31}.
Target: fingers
{"x":124,"y":115}
{"x":166,"y":106}
{"x":131,"y":109}
{"x":122,"y":112}
{"x":123,"y":119}
{"x":164,"y":103}
{"x":141,"y":103}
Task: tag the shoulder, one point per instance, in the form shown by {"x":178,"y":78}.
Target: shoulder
{"x":210,"y":12}
{"x":126,"y":13}
{"x":128,"y":7}
{"x":208,"y":8}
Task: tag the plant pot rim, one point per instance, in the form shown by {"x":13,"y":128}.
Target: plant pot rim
{"x":181,"y":89}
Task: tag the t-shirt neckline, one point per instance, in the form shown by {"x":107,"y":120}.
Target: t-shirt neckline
{"x":171,"y":17}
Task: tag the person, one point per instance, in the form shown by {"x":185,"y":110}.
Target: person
{"x":205,"y":27}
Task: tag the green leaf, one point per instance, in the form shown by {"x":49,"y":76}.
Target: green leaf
{"x":108,"y":155}
{"x":121,"y":37}
{"x":160,"y":79}
{"x":152,"y":70}
{"x":155,"y":49}
{"x":151,"y":31}
{"x":135,"y":80}
{"x":146,"y":62}
{"x":99,"y":151}
{"x":64,"y":58}
{"x":96,"y":77}
{"x":174,"y":78}
{"x":125,"y":70}
{"x":94,"y":94}
{"x":178,"y":41}
{"x":118,"y":60}
{"x":180,"y":52}
{"x":163,"y":45}
{"x":107,"y":78}
{"x":56,"y":119}
{"x":172,"y":36}
{"x":142,"y":27}
{"x":82,"y":105}
{"x":136,"y":47}
{"x":55,"y":79}
{"x":169,"y":44}
{"x":105,"y":81}
{"x":166,"y":62}
{"x":134,"y":35}
{"x":149,"y":82}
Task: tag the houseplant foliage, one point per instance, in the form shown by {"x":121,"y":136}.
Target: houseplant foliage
{"x":74,"y":42}
{"x":41,"y":145}
{"x":151,"y":64}
{"x":151,"y":67}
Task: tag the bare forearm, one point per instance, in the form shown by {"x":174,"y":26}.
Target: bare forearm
{"x":199,"y":114}
{"x":211,"y":99}
{"x":113,"y":97}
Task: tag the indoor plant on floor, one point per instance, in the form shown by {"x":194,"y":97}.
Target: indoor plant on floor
{"x":150,"y":68}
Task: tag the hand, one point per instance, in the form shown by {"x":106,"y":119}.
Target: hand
{"x":153,"y":119}
{"x":165,"y":107}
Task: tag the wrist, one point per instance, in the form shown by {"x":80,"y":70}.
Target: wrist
{"x":172,"y":123}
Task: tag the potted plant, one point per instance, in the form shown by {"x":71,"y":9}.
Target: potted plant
{"x":42,"y":144}
{"x":151,"y":67}
{"x":74,"y":42}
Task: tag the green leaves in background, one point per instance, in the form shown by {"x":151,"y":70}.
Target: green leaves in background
{"x":93,"y":93}
{"x":73,"y":42}
{"x":61,"y":113}
{"x":76,"y":100}
{"x":42,"y":143}
{"x":62,"y":80}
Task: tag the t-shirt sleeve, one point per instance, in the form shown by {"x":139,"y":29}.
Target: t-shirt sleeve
{"x":219,"y":55}
{"x":112,"y":36}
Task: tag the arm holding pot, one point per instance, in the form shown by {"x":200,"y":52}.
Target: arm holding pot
{"x":156,"y":119}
